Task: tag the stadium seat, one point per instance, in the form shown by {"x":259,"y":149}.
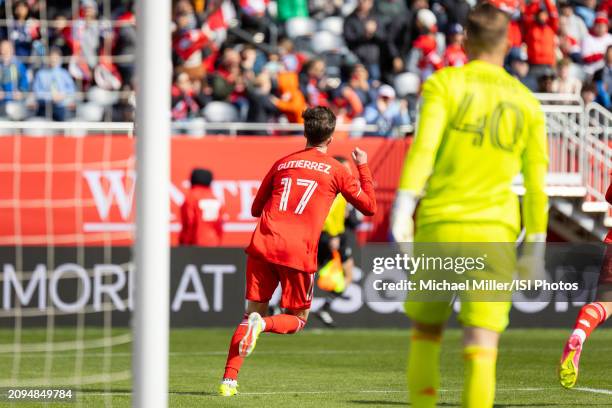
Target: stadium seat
{"x":300,"y":27}
{"x":89,"y":112}
{"x":220,"y":112}
{"x":326,"y":41}
{"x":16,"y":110}
{"x":334,"y":25}
{"x":102,"y":97}
{"x":406,"y":84}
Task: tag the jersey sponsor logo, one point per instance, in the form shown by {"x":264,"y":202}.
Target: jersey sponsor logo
{"x":305,"y":164}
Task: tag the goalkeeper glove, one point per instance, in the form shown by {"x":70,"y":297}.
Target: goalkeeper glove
{"x":531,"y":264}
{"x":402,"y":225}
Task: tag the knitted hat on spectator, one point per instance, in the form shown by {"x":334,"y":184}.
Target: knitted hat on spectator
{"x":386,"y":91}
{"x":601,"y":18}
{"x":201,"y":177}
{"x":455,"y":29}
{"x":426,"y":18}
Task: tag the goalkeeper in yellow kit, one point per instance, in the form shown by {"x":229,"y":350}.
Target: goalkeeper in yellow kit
{"x":478,"y":128}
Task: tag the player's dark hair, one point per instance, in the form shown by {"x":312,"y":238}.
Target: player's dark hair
{"x":319,"y":124}
{"x":341,"y":159}
{"x":201,"y":177}
{"x":486,"y":29}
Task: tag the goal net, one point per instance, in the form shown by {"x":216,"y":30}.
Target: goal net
{"x":66,"y":220}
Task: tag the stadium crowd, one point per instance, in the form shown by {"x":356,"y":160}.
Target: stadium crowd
{"x":265,"y":61}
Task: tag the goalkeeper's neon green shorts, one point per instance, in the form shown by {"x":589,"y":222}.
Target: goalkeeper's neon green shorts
{"x":487,"y":315}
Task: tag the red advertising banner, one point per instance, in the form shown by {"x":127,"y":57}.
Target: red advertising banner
{"x":80,"y":191}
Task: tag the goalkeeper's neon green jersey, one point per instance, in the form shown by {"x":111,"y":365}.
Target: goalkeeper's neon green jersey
{"x":478,"y":128}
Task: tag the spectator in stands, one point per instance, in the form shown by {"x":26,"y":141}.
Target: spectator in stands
{"x":401,"y":33}
{"x":574,"y":25}
{"x":227,"y":75}
{"x":125,"y":41}
{"x":23,"y":30}
{"x":603,"y":81}
{"x":260,"y":107}
{"x":568,"y":44}
{"x":291,"y":102}
{"x":586,"y":10}
{"x":546,"y":80}
{"x":424,"y":58}
{"x":386,"y":113}
{"x":541,"y":25}
{"x":359,"y":84}
{"x":57,"y":34}
{"x":190,"y":44}
{"x":565,"y":82}
{"x":184,"y":105}
{"x":595,"y":45}
{"x":290,"y":59}
{"x":313,"y":83}
{"x":454,"y":55}
{"x":519,"y":67}
{"x":88,"y":37}
{"x":588,"y":92}
{"x":13,"y":75}
{"x":364,"y":35}
{"x":54,"y":88}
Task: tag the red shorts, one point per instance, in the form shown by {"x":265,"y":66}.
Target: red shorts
{"x":263,"y":277}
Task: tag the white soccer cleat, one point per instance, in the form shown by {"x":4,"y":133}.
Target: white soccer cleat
{"x":255,"y":327}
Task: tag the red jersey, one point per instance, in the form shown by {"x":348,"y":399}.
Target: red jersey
{"x":293,"y":201}
{"x":454,"y":56}
{"x":201,"y":218}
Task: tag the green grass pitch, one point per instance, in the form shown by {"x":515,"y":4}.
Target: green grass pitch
{"x":328,"y":368}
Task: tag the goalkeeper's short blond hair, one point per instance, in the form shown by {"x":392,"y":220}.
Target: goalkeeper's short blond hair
{"x":486,"y":29}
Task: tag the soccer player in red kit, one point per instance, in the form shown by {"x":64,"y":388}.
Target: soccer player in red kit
{"x":590,"y":316}
{"x":292,"y":203}
{"x":201,"y":213}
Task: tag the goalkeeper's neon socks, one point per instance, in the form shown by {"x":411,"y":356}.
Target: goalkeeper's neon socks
{"x":255,"y":325}
{"x":283,"y":324}
{"x":479,"y":383}
{"x":568,"y":368}
{"x":228,"y":387}
{"x":589,"y":317}
{"x":423,"y":369}
{"x":234,"y":361}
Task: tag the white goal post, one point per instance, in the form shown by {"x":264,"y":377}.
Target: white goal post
{"x":152,"y":245}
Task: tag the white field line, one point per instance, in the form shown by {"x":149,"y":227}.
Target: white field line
{"x":594,"y":390}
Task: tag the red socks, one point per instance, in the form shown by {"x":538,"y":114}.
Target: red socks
{"x":280,"y":324}
{"x":234,"y":361}
{"x":589,"y":317}
{"x":283,"y":324}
